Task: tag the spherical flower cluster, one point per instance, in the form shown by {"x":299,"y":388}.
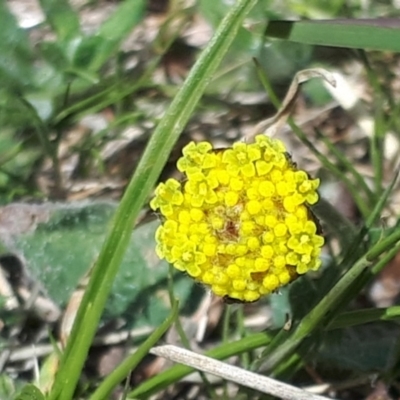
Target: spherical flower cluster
{"x":240,"y":221}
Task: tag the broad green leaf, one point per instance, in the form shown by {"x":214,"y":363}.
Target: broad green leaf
{"x":63,"y":246}
{"x":30,"y":392}
{"x":7,"y":388}
{"x":125,"y":17}
{"x":62,"y":18}
{"x":54,"y":55}
{"x":368,"y":348}
{"x":94,"y":51}
{"x":281,"y":60}
{"x":88,"y":51}
{"x":16,"y":54}
{"x":372,"y":34}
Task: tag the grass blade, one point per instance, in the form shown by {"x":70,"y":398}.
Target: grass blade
{"x":62,"y":18}
{"x":137,"y":192}
{"x":358,"y":317}
{"x":16,"y":53}
{"x":123,"y":370}
{"x":374,"y":34}
{"x":94,"y":51}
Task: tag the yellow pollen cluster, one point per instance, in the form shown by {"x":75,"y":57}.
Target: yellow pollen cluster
{"x":240,"y":221}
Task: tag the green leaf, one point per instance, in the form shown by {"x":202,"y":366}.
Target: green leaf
{"x":16,"y":158}
{"x":60,"y":249}
{"x":7,"y":388}
{"x":63,"y":245}
{"x":62,"y":18}
{"x":130,"y":363}
{"x":373,"y":34}
{"x":94,"y":51}
{"x":281,"y":60}
{"x":137,"y":192}
{"x":364,"y":316}
{"x":54,"y":55}
{"x":16,"y":54}
{"x":367,"y":348}
{"x":30,"y":392}
{"x":125,"y":17}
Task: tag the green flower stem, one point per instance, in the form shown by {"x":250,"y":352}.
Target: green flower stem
{"x":181,"y":332}
{"x":344,"y":320}
{"x":378,"y":267}
{"x":137,"y":192}
{"x":177,"y":372}
{"x":240,"y":317}
{"x":332,"y":168}
{"x":226,"y":322}
{"x":285,"y":343}
{"x":51,"y":149}
{"x":357,"y":245}
{"x":288,"y":367}
{"x":382,"y":246}
{"x":380,"y":123}
{"x":255,"y":341}
{"x":359,"y":317}
{"x":355,"y":249}
{"x":178,"y":325}
{"x":360,"y":181}
{"x":280,"y":349}
{"x":328,"y":303}
{"x":276,"y":353}
{"x":377,"y":211}
{"x":131,"y":362}
{"x":376,"y":146}
{"x":267,"y":84}
{"x":393,"y":120}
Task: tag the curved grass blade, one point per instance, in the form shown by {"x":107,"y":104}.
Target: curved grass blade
{"x":375,"y":34}
{"x":138,"y":190}
{"x":94,"y":51}
{"x":123,"y":370}
{"x":62,"y":18}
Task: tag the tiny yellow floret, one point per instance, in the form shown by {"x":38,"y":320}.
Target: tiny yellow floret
{"x":240,"y":222}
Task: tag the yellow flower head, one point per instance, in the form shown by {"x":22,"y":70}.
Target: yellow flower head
{"x":240,"y":221}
